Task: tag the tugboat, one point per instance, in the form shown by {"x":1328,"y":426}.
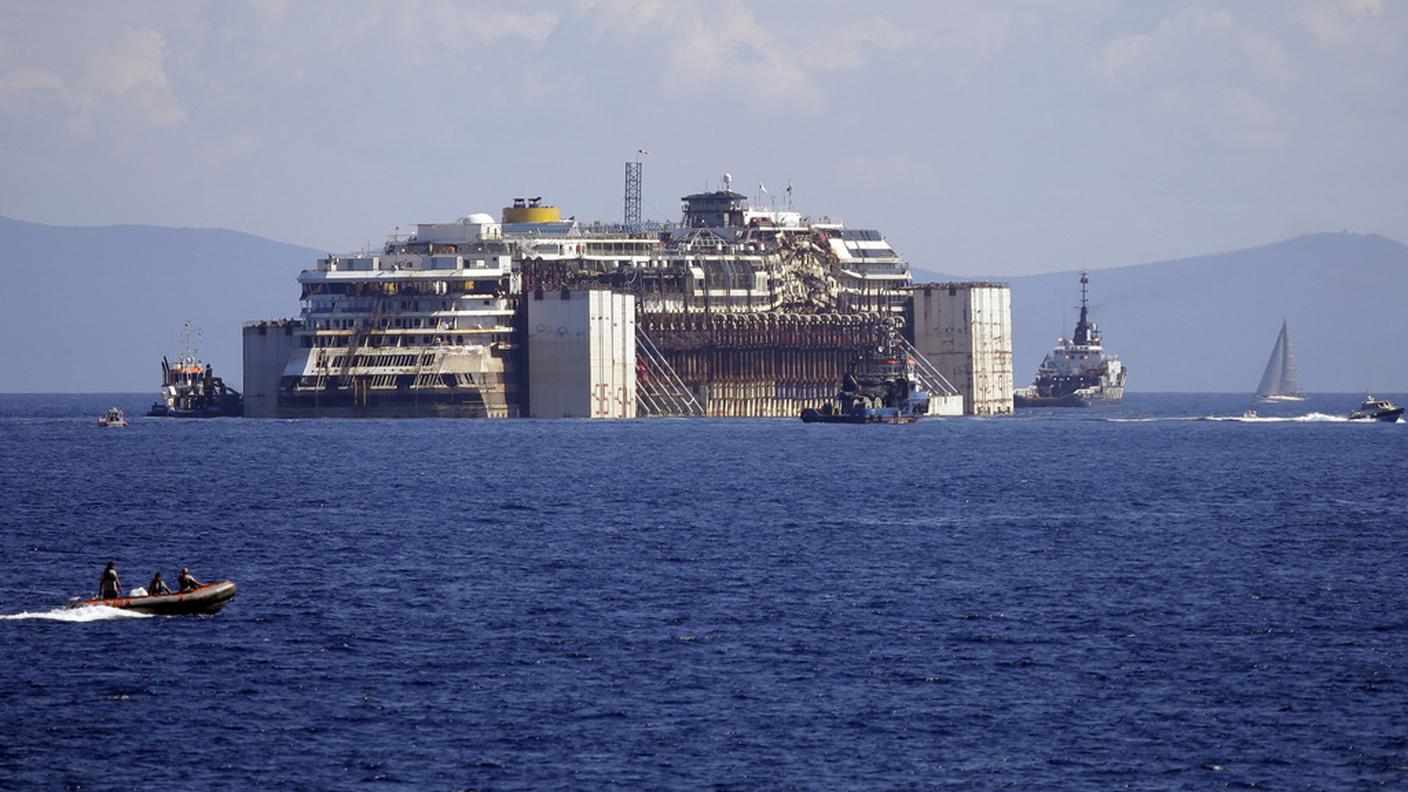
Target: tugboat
{"x":113,"y":417}
{"x":1376,"y":410}
{"x":190,"y":389}
{"x":1077,"y":373}
{"x":885,"y":392}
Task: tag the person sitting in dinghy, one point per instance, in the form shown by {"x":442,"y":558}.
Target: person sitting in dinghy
{"x":157,"y":586}
{"x":111,"y":585}
{"x":187,"y":581}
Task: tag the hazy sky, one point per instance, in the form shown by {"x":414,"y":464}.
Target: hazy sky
{"x":981,"y":137}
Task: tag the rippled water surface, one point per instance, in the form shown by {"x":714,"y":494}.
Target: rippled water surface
{"x":1142,"y":598}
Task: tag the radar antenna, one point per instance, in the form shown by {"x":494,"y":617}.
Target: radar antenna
{"x":1083,"y":326}
{"x":190,"y":341}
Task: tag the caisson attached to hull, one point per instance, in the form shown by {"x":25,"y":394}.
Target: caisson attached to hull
{"x":736,"y":310}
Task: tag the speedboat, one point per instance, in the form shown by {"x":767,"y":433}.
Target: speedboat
{"x":1249,"y":413}
{"x":1376,"y":410}
{"x":204,"y":599}
{"x":113,"y":417}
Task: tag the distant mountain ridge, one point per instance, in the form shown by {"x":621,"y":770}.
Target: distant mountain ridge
{"x":1208,"y":323}
{"x":93,"y":309}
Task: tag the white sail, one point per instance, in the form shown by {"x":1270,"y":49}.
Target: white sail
{"x":1279,"y":379}
{"x":1288,"y":385}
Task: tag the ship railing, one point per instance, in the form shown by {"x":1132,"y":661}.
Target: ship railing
{"x":926,"y":372}
{"x":661,"y":393}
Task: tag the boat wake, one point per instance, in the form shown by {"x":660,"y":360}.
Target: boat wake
{"x":1165,"y":419}
{"x":1314,"y":417}
{"x":87,"y":613}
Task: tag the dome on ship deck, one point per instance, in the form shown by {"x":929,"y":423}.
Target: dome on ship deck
{"x":479,"y":218}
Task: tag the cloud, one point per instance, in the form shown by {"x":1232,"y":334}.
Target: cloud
{"x":1128,"y":55}
{"x":1334,"y":22}
{"x":453,"y":26}
{"x":22,"y":88}
{"x":848,"y":47}
{"x":132,"y":73}
{"x":1268,"y":55}
{"x":1365,"y":7}
{"x":1204,"y":78}
{"x":725,"y":46}
{"x":626,"y":16}
{"x":125,"y":77}
{"x":282,"y":41}
{"x":272,"y":10}
{"x":442,"y":26}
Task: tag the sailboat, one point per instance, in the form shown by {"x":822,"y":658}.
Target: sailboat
{"x":1278,"y":382}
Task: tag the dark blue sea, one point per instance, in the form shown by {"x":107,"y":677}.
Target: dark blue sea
{"x":1162,"y":596}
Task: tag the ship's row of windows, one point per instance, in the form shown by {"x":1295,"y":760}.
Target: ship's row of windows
{"x":400,"y":323}
{"x":440,"y":248}
{"x":481,"y":288}
{"x":865,"y":234}
{"x":373,"y":360}
{"x":324,"y":342}
{"x":643,"y":248}
{"x":404,"y":305}
{"x":380,"y":381}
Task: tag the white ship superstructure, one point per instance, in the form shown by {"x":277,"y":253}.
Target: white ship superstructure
{"x":425,"y":326}
{"x":743,"y":311}
{"x":725,"y":257}
{"x":736,"y":310}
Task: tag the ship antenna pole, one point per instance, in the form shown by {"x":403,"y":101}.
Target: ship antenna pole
{"x":1083,"y":326}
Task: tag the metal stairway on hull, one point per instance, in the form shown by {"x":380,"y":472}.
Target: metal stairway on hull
{"x":660,"y":393}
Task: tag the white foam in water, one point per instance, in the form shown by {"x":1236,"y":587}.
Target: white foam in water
{"x":86,"y":613}
{"x":1307,"y":418}
{"x":1314,"y":417}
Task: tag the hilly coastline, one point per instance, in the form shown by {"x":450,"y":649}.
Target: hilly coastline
{"x":1208,"y":323}
{"x":95,"y":308}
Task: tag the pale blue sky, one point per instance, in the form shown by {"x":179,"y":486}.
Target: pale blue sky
{"x":998,"y":138}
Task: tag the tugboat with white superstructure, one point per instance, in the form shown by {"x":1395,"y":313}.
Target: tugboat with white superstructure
{"x":190,"y":389}
{"x":1078,"y":372}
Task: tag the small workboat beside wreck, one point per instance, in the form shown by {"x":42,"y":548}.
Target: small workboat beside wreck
{"x":886,"y":391}
{"x":209,"y":598}
{"x":114,"y":417}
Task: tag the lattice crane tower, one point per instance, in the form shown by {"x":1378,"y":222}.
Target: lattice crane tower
{"x":633,"y":185}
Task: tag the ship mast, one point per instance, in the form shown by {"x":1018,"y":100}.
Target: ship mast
{"x":1082,"y":335}
{"x":190,"y":339}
